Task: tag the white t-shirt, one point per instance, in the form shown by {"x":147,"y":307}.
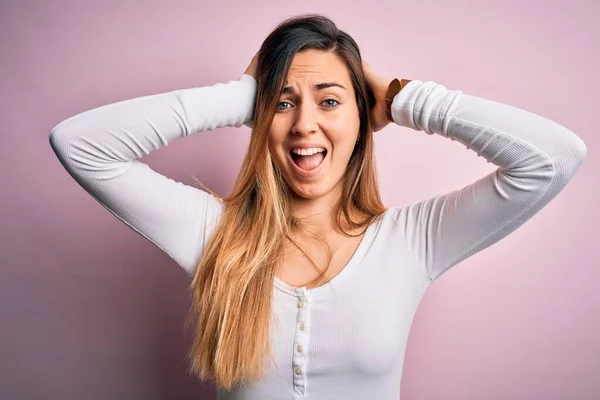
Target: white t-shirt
{"x":347,"y":338}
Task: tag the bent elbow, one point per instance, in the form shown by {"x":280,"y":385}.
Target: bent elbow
{"x":573,"y":152}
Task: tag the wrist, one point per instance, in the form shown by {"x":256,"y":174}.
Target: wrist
{"x":394,"y":87}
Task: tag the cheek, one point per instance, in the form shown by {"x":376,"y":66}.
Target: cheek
{"x":346,"y":130}
{"x":278,"y":131}
{"x":342,"y":150}
{"x":275,"y":145}
{"x":344,"y":140}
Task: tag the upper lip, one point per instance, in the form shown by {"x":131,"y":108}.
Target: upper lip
{"x":307,"y":146}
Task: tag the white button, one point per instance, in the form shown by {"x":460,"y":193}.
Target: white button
{"x":301,"y":326}
{"x":299,"y":348}
{"x":298,"y":371}
{"x":301,"y":303}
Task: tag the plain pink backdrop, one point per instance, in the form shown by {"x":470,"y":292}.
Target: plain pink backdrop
{"x":91,"y":310}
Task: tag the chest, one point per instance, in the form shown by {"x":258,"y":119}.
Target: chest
{"x":351,"y":335}
{"x":312,"y":263}
{"x":362,"y":325}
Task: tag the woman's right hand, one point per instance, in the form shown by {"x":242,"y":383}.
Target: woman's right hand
{"x":251,"y":70}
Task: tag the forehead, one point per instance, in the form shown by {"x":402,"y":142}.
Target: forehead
{"x":311,"y":67}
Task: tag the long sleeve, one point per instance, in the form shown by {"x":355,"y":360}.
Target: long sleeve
{"x":536,"y":158}
{"x":99,"y":148}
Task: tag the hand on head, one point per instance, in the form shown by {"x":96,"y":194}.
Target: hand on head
{"x":251,"y":69}
{"x":379,"y":86}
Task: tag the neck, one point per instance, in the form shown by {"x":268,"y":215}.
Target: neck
{"x":318,"y":214}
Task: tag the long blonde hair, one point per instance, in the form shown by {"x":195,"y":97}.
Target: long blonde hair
{"x":233,"y":284}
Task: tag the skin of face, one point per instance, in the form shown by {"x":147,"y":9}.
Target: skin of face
{"x":328,"y":117}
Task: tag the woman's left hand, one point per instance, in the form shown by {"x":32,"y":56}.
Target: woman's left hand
{"x":379,"y":86}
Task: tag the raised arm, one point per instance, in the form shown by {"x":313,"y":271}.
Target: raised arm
{"x":536,"y":158}
{"x":99,"y":148}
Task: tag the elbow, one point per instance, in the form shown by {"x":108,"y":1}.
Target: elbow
{"x":56,"y":138}
{"x":579,"y":148}
{"x":62,"y":134}
{"x":53,"y":137}
{"x":573,"y":152}
{"x":61,"y":140}
{"x":582,"y":149}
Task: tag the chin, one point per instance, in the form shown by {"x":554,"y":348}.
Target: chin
{"x":310,"y":191}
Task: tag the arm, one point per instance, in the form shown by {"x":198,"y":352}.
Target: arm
{"x":99,"y":148}
{"x":536,"y":158}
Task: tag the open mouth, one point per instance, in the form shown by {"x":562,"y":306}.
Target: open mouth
{"x":308,"y":162}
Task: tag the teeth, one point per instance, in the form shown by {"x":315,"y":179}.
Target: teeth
{"x":308,"y":152}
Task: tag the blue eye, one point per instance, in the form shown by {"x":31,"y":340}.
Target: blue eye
{"x":281,"y":102}
{"x":285,"y":102}
{"x":331,"y":100}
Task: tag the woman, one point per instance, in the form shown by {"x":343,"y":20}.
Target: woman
{"x":304,"y":284}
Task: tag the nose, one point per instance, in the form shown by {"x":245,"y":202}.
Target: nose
{"x":306,"y":119}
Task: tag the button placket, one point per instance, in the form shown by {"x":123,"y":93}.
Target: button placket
{"x":301,"y":339}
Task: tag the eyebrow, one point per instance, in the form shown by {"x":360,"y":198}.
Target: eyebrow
{"x":318,"y":86}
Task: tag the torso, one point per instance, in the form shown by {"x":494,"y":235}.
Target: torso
{"x":296,"y":270}
{"x":352,"y":331}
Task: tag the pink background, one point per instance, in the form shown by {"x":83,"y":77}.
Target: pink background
{"x":91,"y":310}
